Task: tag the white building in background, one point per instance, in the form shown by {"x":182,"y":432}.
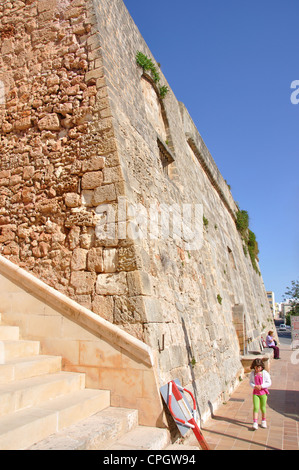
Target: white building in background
{"x":285,"y":308}
{"x":277,"y":310}
{"x":271,"y":300}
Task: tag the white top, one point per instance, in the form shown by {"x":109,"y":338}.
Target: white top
{"x":266,"y":379}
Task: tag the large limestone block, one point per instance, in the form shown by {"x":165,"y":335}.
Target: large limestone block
{"x":104,"y":194}
{"x":95,"y":260}
{"x":83,"y":282}
{"x":92,"y":180}
{"x":139,"y":283}
{"x":112,"y":284}
{"x":78,"y":261}
{"x":129,"y":310}
{"x":110,"y":259}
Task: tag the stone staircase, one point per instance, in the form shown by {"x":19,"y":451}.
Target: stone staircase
{"x":45,"y":408}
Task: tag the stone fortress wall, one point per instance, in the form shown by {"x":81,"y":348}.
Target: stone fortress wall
{"x":88,"y":148}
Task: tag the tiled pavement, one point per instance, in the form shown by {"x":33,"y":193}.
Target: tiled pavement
{"x":231,"y":426}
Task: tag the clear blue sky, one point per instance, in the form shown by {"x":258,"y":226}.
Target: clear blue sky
{"x":232,"y":64}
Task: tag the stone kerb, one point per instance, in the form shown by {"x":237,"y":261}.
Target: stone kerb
{"x":111,"y":358}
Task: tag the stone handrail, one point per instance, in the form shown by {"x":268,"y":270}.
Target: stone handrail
{"x":76,"y":312}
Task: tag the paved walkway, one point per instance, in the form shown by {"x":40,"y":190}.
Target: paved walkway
{"x":231,"y":426}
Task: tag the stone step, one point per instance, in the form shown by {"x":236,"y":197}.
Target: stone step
{"x":23,"y":428}
{"x":143,"y":438}
{"x":94,"y":433}
{"x":9,"y":332}
{"x":35,"y":390}
{"x":182,"y":447}
{"x":44,"y":408}
{"x":110,"y":429}
{"x":21,"y":368}
{"x":150,"y":438}
{"x":20,"y":348}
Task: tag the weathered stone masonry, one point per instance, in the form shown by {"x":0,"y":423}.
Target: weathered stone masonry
{"x":82,"y":128}
{"x":58,"y":153}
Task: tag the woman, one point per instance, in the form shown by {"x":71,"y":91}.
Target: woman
{"x":271,"y":344}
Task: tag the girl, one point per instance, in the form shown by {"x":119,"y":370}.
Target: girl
{"x":260,"y":380}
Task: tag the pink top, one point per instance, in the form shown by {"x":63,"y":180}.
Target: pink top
{"x":258,"y":380}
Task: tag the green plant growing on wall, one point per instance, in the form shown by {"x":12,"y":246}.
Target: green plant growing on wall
{"x":163,"y":91}
{"x":148,"y":66}
{"x":205,"y":221}
{"x":219,"y":298}
{"x":193,"y":362}
{"x":253,"y":249}
{"x":249,"y":238}
{"x":242,"y":222}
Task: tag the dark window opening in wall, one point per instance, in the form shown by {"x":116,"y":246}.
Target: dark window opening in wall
{"x":166,"y":157}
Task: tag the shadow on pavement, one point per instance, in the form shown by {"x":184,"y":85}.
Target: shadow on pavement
{"x":285,"y":402}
